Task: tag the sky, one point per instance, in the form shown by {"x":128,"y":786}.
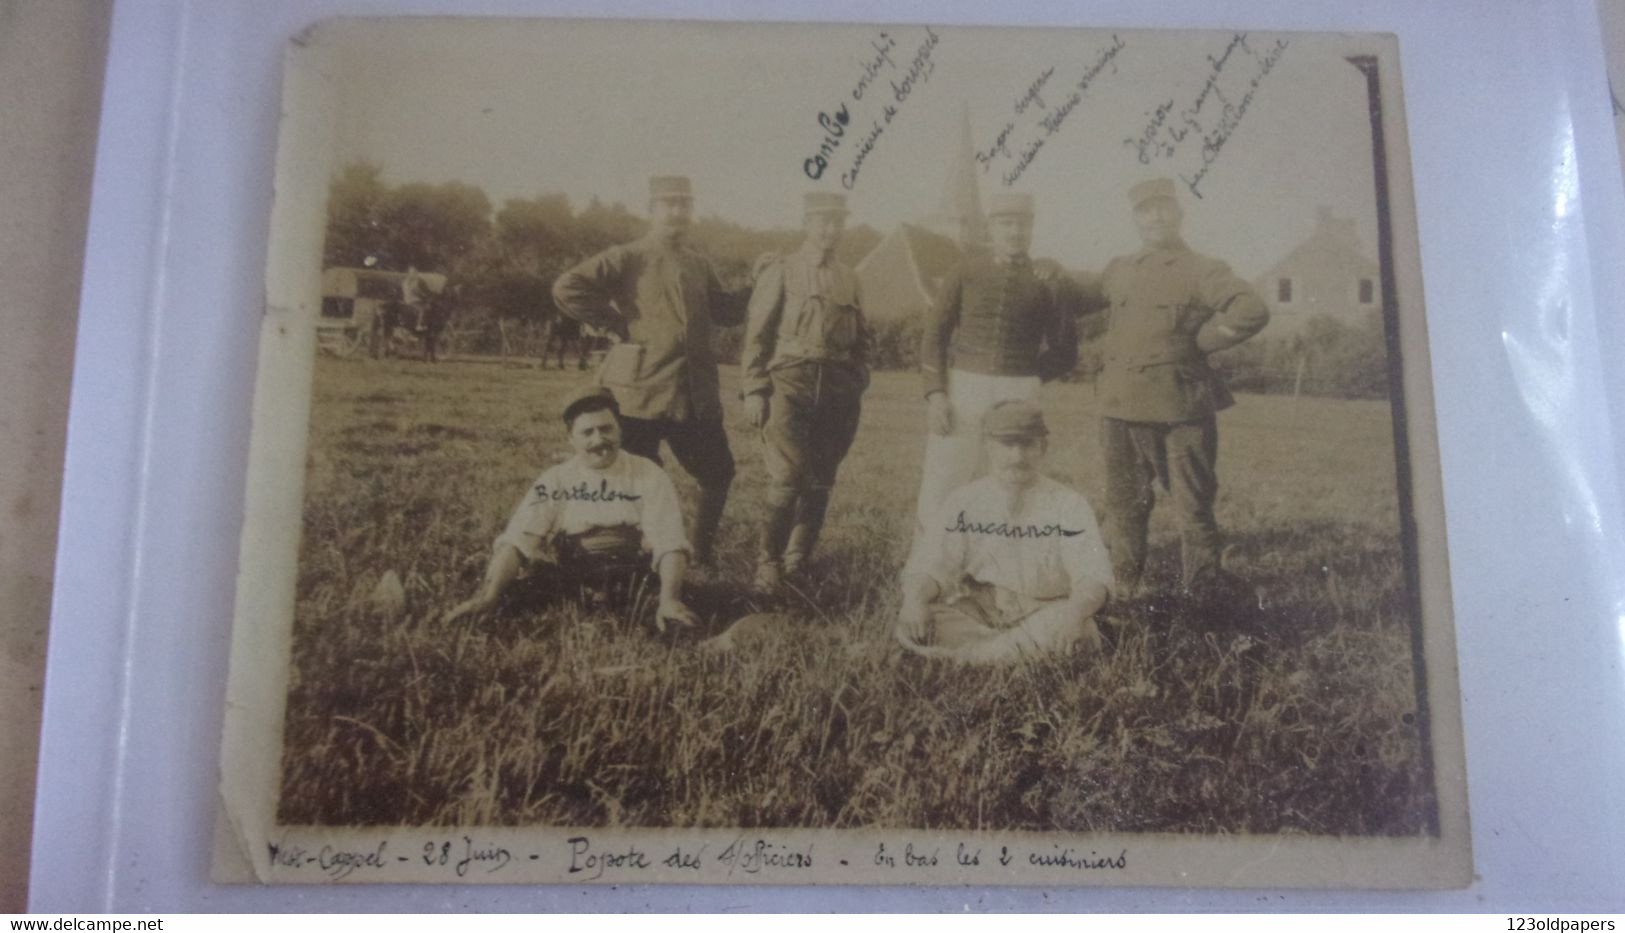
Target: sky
{"x":592,"y":108}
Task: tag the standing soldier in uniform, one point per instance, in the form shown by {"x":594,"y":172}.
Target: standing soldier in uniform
{"x":1168,"y":308}
{"x":661,"y":298}
{"x":806,"y":366}
{"x":998,"y":329}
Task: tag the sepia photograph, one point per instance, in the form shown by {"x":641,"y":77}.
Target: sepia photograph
{"x":847,"y":454}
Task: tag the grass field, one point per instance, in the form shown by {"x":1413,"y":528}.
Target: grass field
{"x":1301,"y":719}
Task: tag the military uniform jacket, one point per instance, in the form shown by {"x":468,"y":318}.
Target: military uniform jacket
{"x":803,"y":310}
{"x":1167,"y":310}
{"x":664,"y":302}
{"x":997,"y":318}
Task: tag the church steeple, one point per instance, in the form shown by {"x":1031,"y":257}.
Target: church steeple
{"x":959,"y":213}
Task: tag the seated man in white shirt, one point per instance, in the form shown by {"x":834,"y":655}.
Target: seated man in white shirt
{"x":1013,"y":566}
{"x":602,"y":514}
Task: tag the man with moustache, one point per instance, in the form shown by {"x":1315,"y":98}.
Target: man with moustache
{"x":1012,"y":565}
{"x":662,"y":300}
{"x":999,"y":328}
{"x":1167,"y":309}
{"x":805,"y":369}
{"x":600,"y":519}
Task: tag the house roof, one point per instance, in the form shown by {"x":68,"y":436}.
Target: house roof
{"x":1333,"y":243}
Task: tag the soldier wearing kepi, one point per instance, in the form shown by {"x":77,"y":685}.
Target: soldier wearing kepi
{"x":806,"y":367}
{"x":1168,"y":308}
{"x":600,"y":520}
{"x":1012,"y":566}
{"x":999,"y":328}
{"x":662,"y":299}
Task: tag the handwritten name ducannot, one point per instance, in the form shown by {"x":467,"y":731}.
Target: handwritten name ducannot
{"x":582,"y":492}
{"x":961,"y":526}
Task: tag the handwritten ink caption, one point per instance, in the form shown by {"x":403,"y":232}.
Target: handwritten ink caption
{"x":742,"y":857}
{"x":1204,"y":124}
{"x":1040,"y":111}
{"x":879,"y":72}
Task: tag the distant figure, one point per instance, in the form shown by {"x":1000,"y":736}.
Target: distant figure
{"x":662,"y":299}
{"x":1167,"y":309}
{"x":1011,"y":566}
{"x":997,"y":331}
{"x":602,"y":518}
{"x":806,"y":361}
{"x":565,"y":333}
{"x":413,"y":293}
{"x":434,"y":318}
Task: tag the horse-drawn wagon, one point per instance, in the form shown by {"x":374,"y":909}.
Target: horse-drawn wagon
{"x":365,"y":309}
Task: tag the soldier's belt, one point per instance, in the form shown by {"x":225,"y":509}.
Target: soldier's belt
{"x":1164,"y":355}
{"x":793,"y":347}
{"x":607,"y":542}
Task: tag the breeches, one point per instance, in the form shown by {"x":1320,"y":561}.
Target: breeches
{"x":812,"y":419}
{"x":608,"y":561}
{"x":1182,"y":458}
{"x":701,"y":447}
{"x":974,"y":616}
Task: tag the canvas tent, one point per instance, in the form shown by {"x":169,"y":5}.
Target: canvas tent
{"x":901,"y":274}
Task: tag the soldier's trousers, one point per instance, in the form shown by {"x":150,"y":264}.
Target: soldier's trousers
{"x":974,"y":616}
{"x":812,"y":419}
{"x":1182,"y":459}
{"x":605,"y":566}
{"x":701,"y":447}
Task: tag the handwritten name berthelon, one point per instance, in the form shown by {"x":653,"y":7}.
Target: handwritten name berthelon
{"x":1009,"y":529}
{"x":581,"y":492}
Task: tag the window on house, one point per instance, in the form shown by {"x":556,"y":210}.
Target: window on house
{"x":1368,"y":291}
{"x":1283,"y":291}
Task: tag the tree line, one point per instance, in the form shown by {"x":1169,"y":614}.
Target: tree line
{"x":502,"y":262}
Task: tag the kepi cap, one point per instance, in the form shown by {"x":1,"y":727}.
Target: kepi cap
{"x":824,"y":202}
{"x":1149,"y":189}
{"x":1014,"y":420}
{"x":1006,"y":202}
{"x":585,"y":394}
{"x":671,"y":187}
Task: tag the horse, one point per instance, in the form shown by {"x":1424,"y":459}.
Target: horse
{"x":566,"y":332}
{"x":425,"y":319}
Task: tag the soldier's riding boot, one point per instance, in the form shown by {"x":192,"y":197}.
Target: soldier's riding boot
{"x":1194,"y":484}
{"x":809,"y":522}
{"x":706,"y":519}
{"x":1129,"y":497}
{"x":776,"y":531}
